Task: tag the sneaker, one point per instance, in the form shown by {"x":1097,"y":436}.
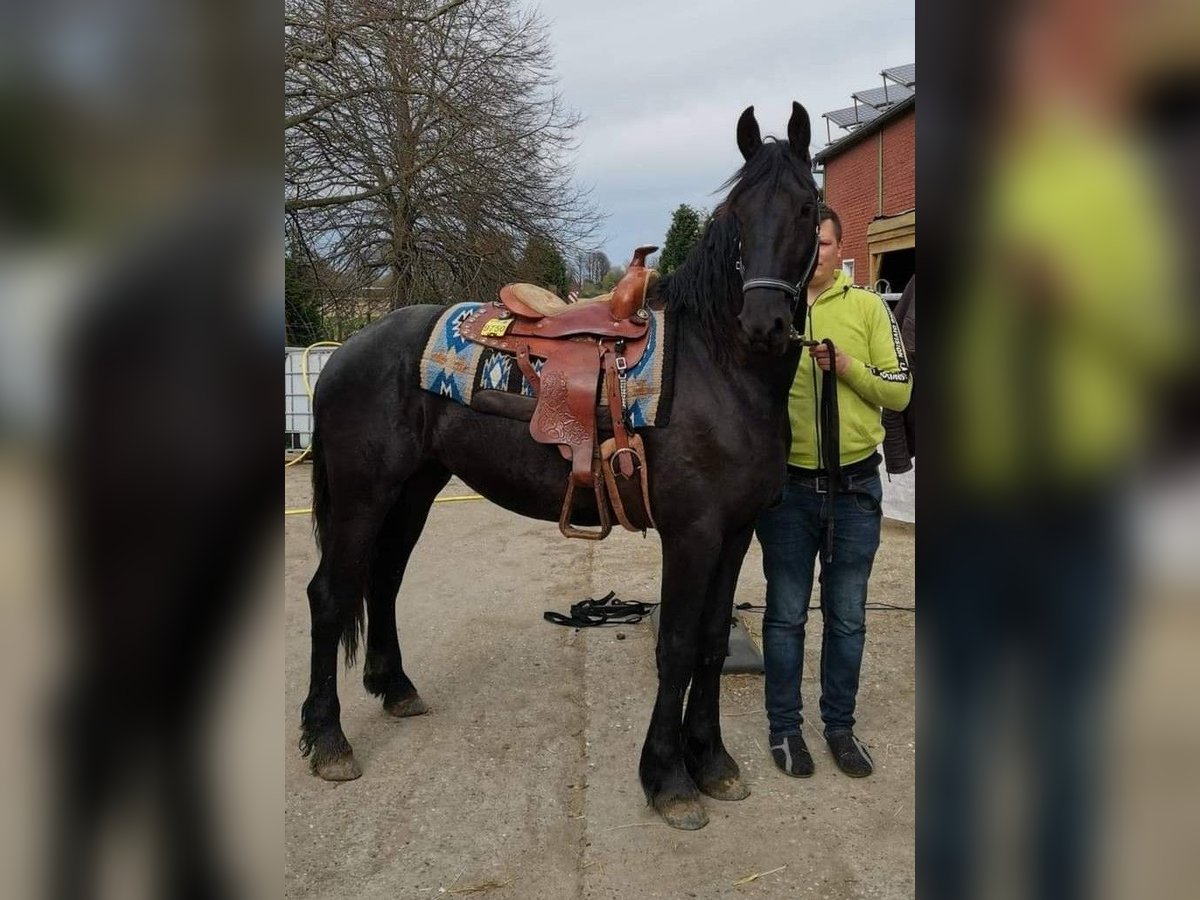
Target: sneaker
{"x":850,"y":753}
{"x":791,"y":755}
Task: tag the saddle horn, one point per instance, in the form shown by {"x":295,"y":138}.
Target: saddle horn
{"x":630,"y":293}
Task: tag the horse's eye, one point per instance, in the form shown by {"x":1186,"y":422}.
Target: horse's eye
{"x":806,"y":210}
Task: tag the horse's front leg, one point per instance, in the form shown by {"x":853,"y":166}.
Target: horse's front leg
{"x":689,"y":562}
{"x":710,"y":765}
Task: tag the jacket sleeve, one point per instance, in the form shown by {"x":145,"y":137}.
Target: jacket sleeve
{"x":883,"y":380}
{"x":908,"y":321}
{"x":897,"y":456}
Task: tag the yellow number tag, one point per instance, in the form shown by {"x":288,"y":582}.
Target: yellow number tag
{"x":496,"y":327}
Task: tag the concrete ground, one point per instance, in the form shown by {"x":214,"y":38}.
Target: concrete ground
{"x":522,"y":780}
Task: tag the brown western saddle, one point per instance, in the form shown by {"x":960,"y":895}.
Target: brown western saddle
{"x":586,"y":349}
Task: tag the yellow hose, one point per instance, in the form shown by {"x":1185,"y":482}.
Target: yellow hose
{"x":307,"y":509}
{"x":308,"y":390}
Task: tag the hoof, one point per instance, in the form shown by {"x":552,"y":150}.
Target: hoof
{"x":340,"y":768}
{"x":412,"y":705}
{"x":688,"y":815}
{"x":732,"y":788}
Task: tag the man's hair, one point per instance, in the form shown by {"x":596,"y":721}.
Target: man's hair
{"x":827,"y":214}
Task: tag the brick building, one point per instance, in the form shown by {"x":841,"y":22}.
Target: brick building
{"x":871,"y":180}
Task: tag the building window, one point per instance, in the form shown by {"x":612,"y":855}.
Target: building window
{"x":848,"y":268}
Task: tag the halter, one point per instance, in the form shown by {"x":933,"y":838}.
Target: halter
{"x":795,"y":291}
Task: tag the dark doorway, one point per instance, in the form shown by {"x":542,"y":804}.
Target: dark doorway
{"x":895,"y":268}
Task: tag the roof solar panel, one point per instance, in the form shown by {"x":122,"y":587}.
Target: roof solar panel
{"x":882,"y":98}
{"x":852,"y":116}
{"x":905,"y":75}
{"x":899,"y":85}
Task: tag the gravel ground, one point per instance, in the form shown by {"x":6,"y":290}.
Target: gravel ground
{"x":522,"y":780}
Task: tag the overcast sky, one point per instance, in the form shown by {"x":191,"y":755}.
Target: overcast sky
{"x":661,"y":84}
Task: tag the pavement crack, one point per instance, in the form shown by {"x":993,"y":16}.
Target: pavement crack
{"x":577,"y":800}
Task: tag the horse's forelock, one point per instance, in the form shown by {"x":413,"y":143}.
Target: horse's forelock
{"x":769,"y":164}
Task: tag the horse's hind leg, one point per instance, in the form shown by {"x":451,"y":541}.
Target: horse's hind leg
{"x":714,"y":770}
{"x":383,"y":671}
{"x":335,"y":601}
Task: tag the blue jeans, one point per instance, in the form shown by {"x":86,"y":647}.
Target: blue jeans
{"x":792,"y":532}
{"x":1031,"y":594}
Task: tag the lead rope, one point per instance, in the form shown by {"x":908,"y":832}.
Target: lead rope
{"x":826,"y":428}
{"x":830,"y":444}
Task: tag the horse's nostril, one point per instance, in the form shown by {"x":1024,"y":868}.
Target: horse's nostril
{"x":779,"y":323}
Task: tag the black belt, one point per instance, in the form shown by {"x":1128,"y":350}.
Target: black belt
{"x":851,"y":475}
{"x":825,"y":484}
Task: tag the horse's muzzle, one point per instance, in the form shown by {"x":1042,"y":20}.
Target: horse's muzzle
{"x":771,"y":341}
{"x":765,"y":317}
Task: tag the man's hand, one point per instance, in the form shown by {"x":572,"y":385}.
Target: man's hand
{"x":821,"y":354}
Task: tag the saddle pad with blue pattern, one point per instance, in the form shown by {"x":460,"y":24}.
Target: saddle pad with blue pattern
{"x":454,"y":367}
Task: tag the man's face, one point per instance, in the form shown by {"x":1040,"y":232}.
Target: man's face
{"x":829,"y":255}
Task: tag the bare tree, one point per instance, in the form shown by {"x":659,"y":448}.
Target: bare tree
{"x":426,"y":145}
{"x":597,"y":266}
{"x":577,"y":266}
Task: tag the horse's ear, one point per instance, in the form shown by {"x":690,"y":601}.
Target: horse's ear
{"x":800,"y":132}
{"x":748,"y":136}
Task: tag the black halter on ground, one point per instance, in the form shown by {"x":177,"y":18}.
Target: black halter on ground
{"x":608,"y":610}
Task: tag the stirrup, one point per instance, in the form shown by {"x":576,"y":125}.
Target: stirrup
{"x":640,"y":501}
{"x":564,"y":520}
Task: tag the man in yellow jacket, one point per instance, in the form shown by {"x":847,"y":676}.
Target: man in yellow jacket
{"x":872,"y":374}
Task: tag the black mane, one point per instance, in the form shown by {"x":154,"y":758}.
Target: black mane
{"x":704,"y":288}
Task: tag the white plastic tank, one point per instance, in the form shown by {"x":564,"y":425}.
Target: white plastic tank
{"x":297,"y":409}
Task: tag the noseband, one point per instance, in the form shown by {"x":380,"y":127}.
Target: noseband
{"x":795,"y":291}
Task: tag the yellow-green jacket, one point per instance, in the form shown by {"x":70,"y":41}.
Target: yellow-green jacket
{"x":859,"y":323}
{"x":1108,"y":329}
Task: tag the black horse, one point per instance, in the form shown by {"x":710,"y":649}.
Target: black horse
{"x":384,"y":448}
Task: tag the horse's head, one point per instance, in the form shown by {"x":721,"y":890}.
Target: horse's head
{"x":774,"y":202}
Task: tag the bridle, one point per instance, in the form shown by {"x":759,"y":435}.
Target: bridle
{"x":793,"y":290}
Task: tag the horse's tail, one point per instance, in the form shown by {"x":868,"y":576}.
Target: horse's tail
{"x":320,"y":490}
{"x":353,"y":618}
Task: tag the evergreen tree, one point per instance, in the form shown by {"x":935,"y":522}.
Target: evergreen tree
{"x":302,"y":313}
{"x":543,"y":265}
{"x":681,"y":237}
